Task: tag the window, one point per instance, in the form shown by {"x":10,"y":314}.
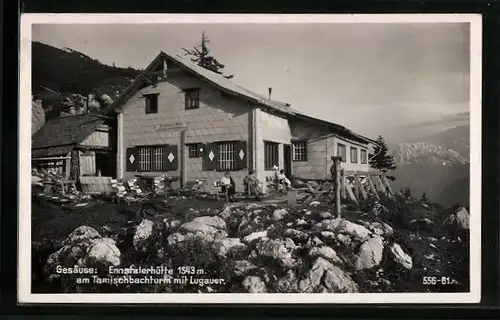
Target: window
{"x":354,"y":155}
{"x":363,"y":156}
{"x":151,"y":103}
{"x":299,"y":151}
{"x":271,"y":155}
{"x":192,"y":98}
{"x":150,"y":158}
{"x":194,"y":150}
{"x":226,"y":156}
{"x":341,"y":152}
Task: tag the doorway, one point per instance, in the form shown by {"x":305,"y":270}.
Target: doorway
{"x":287,"y":163}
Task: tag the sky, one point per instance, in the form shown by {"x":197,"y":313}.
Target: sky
{"x":372,"y":78}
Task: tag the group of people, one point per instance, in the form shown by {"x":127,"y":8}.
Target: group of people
{"x":251,"y":183}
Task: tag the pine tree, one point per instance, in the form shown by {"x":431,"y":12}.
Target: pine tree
{"x":380,"y":160}
{"x":200,"y":54}
{"x":407,"y":193}
{"x":424,"y":197}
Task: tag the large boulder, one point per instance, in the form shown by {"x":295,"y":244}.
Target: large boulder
{"x":106,"y":100}
{"x":279,"y":214}
{"x":287,"y":284}
{"x":83,"y":248}
{"x":355,"y":231}
{"x":207,"y":228}
{"x":278,"y":250}
{"x":81,"y":233}
{"x":326,"y":277}
{"x":254,"y":284}
{"x":143,"y":232}
{"x":370,"y":254}
{"x":212,"y":221}
{"x":460,"y":219}
{"x":255,"y":235}
{"x":400,"y":257}
{"x":241,"y":267}
{"x":297,"y":235}
{"x":384,"y":227}
{"x":224,"y":246}
{"x":325,"y":252}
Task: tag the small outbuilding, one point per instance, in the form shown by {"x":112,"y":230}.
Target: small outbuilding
{"x":76,"y":146}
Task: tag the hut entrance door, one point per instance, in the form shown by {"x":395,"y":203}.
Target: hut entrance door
{"x":287,"y":161}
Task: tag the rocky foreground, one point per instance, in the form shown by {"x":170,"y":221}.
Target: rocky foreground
{"x":247,"y":247}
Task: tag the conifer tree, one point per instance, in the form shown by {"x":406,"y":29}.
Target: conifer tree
{"x":424,"y":198}
{"x":380,"y":160}
{"x":200,"y":54}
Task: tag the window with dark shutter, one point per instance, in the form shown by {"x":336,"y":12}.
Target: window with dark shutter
{"x":271,"y":155}
{"x":170,"y":157}
{"x":151,"y":103}
{"x":210,"y":158}
{"x":341,"y":152}
{"x":241,"y":155}
{"x":131,"y":159}
{"x":299,"y":152}
{"x":192,"y":98}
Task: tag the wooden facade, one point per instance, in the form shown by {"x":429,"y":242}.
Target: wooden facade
{"x":77,"y":146}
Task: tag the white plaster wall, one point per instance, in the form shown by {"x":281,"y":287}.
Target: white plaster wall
{"x":270,"y":128}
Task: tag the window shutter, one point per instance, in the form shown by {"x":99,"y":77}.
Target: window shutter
{"x":210,"y":157}
{"x":165,"y":164}
{"x":131,"y":159}
{"x":202,"y":149}
{"x":241,"y":155}
{"x":174,"y":156}
{"x":170,"y":157}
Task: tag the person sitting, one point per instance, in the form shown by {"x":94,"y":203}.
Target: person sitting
{"x":252,"y":184}
{"x":228,"y":187}
{"x":282,"y":179}
{"x":247,"y":181}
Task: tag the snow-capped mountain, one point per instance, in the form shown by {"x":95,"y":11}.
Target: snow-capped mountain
{"x":423,"y":153}
{"x":434,"y":158}
{"x":434,"y":170}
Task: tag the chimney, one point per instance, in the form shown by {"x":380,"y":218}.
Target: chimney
{"x":270,"y":91}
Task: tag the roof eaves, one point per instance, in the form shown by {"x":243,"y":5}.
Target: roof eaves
{"x":118,"y":103}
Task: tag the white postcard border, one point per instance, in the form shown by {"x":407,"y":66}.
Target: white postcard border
{"x":24,"y":191}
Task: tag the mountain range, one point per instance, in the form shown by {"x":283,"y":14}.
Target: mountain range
{"x":437,"y":163}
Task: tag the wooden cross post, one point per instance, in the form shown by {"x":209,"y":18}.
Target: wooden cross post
{"x":335,"y":172}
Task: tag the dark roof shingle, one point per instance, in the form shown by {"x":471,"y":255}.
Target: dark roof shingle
{"x":63,"y":131}
{"x":51,"y":151}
